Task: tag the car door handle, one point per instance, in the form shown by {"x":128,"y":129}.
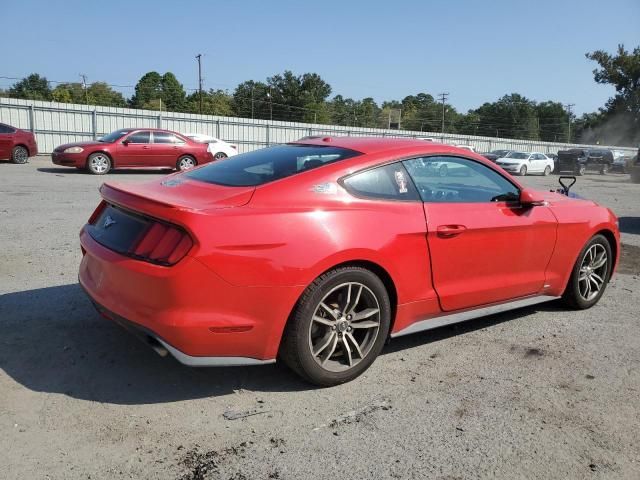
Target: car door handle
{"x":448,"y":231}
{"x":145,"y":147}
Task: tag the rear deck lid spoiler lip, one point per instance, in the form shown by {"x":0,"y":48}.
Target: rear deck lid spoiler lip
{"x":149,"y":194}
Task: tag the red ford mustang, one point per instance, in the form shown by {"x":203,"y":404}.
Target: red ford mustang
{"x":133,"y":148}
{"x":315,"y":252}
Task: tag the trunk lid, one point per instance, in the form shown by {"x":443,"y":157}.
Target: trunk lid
{"x":179,"y":193}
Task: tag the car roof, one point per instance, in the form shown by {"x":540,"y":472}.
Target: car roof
{"x":371,"y":145}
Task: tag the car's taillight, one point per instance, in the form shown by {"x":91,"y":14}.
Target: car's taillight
{"x":163,"y":244}
{"x":96,"y":213}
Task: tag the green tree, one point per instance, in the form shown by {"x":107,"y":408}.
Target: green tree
{"x":251,"y":100}
{"x":512,"y":116}
{"x":148,"y":88}
{"x":553,"y":122}
{"x":343,"y":111}
{"x":98,"y":93}
{"x":68,"y":93}
{"x":214,"y":102}
{"x":153,"y":87}
{"x":173,"y":94}
{"x":620,"y":117}
{"x":33,"y":87}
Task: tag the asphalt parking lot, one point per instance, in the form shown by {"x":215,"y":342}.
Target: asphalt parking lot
{"x":537,"y":393}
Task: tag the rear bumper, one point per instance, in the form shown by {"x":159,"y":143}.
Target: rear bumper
{"x":190,"y":311}
{"x":162,"y":347}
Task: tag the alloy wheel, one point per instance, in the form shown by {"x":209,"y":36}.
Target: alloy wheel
{"x":186,"y":163}
{"x":344,"y":327}
{"x":593,"y":272}
{"x":20,"y":155}
{"x":99,"y":163}
{"x":220,"y":155}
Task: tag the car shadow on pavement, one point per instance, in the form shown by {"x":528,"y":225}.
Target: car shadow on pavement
{"x":120,"y":171}
{"x":629,"y":225}
{"x":52,"y":340}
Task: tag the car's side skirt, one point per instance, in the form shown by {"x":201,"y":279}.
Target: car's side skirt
{"x":463,"y":316}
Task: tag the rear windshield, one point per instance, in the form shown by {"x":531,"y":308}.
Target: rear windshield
{"x":269,"y":164}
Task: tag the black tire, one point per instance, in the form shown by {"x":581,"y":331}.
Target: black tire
{"x":219,"y":156}
{"x":443,"y":171}
{"x":573,"y":295}
{"x":523,"y":170}
{"x":604,"y":169}
{"x":581,"y":170}
{"x":547,"y":171}
{"x":19,"y":155}
{"x":99,"y":163}
{"x":186,"y":162}
{"x":297,"y":342}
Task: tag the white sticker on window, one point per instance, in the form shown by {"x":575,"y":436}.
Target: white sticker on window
{"x":401,"y":181}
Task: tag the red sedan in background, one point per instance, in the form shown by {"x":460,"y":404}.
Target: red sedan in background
{"x":133,"y":148}
{"x":17,"y":145}
{"x":316,"y":252}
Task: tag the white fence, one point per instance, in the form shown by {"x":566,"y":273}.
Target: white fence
{"x":58,"y":123}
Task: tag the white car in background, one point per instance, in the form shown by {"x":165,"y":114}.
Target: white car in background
{"x":521,"y":163}
{"x":218,"y":148}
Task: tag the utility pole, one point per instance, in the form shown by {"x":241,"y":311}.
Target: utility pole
{"x":270,"y":104}
{"x":443,"y":98}
{"x":569,"y":107}
{"x":199,"y":58}
{"x":84,"y":83}
{"x":252,"y":88}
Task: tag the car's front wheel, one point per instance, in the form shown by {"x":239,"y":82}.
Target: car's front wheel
{"x":604,"y":169}
{"x":590,"y":274}
{"x":523,"y":170}
{"x":220,"y":156}
{"x":186,"y":162}
{"x":547,"y":171}
{"x":581,"y":170}
{"x":98,"y":163}
{"x":338,"y":327}
{"x":19,"y":155}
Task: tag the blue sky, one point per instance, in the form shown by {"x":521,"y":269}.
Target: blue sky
{"x":475,"y":50}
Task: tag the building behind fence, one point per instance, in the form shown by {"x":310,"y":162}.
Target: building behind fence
{"x":57,"y":123}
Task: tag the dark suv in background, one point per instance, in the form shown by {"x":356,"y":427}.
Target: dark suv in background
{"x":579,"y":160}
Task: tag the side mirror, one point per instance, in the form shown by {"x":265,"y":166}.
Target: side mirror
{"x":125,"y":142}
{"x":531,"y":198}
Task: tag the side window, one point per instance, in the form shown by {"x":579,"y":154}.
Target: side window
{"x":459,"y":180}
{"x":139,"y":137}
{"x":6,"y":129}
{"x":389,"y":182}
{"x":163,"y":137}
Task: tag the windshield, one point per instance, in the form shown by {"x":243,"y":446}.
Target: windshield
{"x":113,"y":136}
{"x":500,"y":153}
{"x":269,"y":164}
{"x":518,"y":155}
